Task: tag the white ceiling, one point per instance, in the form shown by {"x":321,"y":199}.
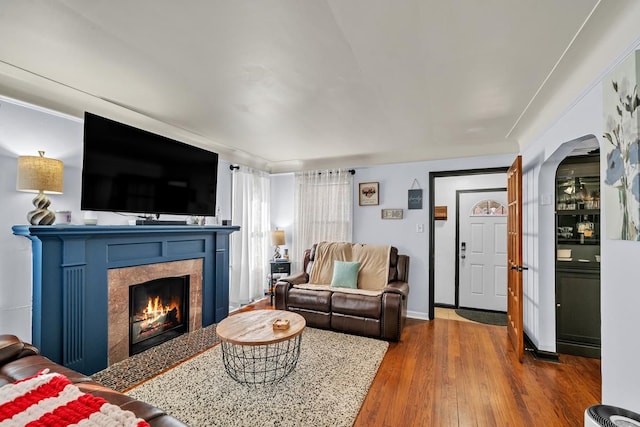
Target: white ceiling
{"x":298,"y":84}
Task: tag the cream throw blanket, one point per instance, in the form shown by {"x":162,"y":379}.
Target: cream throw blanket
{"x":374,"y":263}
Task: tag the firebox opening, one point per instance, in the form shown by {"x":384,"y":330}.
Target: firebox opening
{"x":158,"y":312}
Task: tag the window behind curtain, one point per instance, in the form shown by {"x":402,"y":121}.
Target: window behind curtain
{"x":323,"y":209}
{"x":250,"y":246}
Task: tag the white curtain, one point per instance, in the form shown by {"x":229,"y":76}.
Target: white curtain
{"x":249,"y":246}
{"x":323,"y":202}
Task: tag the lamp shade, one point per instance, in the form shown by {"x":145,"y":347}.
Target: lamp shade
{"x":37,"y":174}
{"x":277,"y":237}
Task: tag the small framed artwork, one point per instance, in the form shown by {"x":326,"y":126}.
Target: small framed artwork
{"x":368,"y":193}
{"x":415,"y":199}
{"x":391,"y":213}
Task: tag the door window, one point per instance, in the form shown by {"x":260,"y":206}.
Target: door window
{"x":488,"y":208}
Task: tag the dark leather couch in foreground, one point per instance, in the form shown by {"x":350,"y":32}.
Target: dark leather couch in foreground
{"x":379,"y":316}
{"x":19,"y":360}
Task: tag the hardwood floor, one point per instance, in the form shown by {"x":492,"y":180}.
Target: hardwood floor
{"x":452,"y":373}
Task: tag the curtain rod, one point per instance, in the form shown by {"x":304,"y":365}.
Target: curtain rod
{"x":351,"y":171}
{"x":236,"y":167}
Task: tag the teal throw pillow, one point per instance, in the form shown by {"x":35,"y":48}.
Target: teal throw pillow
{"x":345,"y":274}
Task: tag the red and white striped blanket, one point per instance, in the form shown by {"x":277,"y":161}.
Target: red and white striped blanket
{"x":46,"y":399}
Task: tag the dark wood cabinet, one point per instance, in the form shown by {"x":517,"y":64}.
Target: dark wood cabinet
{"x":578,"y":256}
{"x":578,"y":311}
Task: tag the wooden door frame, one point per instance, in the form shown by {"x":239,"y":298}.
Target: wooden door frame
{"x":432,"y":221}
{"x":457,"y":271}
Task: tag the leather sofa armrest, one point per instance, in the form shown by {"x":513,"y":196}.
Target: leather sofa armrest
{"x":296,"y":279}
{"x":283,"y":285}
{"x":397,"y":287}
{"x":12,"y":348}
{"x":282,"y":293}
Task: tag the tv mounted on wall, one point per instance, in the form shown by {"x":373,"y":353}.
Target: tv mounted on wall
{"x":126,"y":169}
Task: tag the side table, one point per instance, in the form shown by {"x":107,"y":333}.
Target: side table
{"x":278,"y":267}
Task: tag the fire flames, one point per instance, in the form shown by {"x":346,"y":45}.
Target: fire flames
{"x":155,"y":313}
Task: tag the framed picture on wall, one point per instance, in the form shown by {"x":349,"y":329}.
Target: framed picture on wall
{"x":391,"y":213}
{"x":415,"y":199}
{"x":368,"y":193}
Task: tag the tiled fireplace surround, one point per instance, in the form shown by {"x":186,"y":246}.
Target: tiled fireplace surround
{"x":81,"y":276}
{"x":121,"y":279}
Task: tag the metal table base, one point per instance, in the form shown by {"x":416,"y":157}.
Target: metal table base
{"x":261,"y":364}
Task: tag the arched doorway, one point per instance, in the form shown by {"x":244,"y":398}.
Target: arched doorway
{"x":548,"y":231}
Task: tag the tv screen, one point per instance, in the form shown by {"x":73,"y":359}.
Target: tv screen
{"x":126,"y":169}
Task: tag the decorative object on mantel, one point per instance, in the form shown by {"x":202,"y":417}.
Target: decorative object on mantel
{"x":391,"y":213}
{"x":415,"y":196}
{"x":90,"y":218}
{"x":63,"y":217}
{"x":42,"y":175}
{"x":277,"y":239}
{"x":440,"y":212}
{"x":368,"y":193}
{"x":621,"y":192}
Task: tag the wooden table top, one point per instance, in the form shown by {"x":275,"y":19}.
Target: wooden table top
{"x":256,"y":327}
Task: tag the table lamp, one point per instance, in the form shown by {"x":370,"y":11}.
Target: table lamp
{"x":277,"y":239}
{"x":41,"y":175}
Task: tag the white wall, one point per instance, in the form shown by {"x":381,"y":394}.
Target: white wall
{"x":282,"y":190}
{"x":445,"y":259}
{"x":24,"y":130}
{"x":395,"y":180}
{"x":620,"y":292}
{"x":368,"y":227}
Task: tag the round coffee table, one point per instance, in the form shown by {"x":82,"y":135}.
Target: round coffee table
{"x":253,"y":352}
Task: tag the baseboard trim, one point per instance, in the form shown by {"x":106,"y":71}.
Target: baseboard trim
{"x":418,"y":315}
{"x":547,"y":356}
{"x":579,"y":349}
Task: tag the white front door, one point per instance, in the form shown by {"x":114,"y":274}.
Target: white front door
{"x":482,"y":250}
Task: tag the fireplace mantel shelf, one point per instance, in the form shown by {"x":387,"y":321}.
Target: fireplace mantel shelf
{"x":94,"y":230}
{"x":70,"y":266}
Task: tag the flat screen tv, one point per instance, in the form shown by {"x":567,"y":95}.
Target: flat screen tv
{"x":126,"y":169}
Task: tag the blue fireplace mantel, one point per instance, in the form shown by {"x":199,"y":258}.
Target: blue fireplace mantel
{"x":70,"y":284}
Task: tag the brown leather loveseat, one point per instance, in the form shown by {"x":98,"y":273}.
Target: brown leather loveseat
{"x":19,"y":360}
{"x":380,"y":313}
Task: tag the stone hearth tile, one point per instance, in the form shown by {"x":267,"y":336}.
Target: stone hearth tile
{"x":143,"y":366}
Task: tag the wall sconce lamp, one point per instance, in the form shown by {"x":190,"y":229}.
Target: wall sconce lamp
{"x":277,"y":239}
{"x":41,"y":175}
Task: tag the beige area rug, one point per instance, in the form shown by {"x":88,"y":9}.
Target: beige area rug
{"x":326,"y":388}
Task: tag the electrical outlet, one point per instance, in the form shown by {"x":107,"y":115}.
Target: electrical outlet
{"x":419,"y":228}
